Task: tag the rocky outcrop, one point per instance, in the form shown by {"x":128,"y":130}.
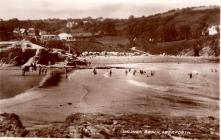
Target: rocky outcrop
{"x":123,"y":126}
{"x":11,"y":126}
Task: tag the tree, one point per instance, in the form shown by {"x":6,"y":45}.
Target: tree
{"x":183,"y":31}
{"x":196,"y":49}
{"x":131,"y":18}
{"x":169,"y":32}
{"x":196,"y":30}
{"x":108,"y":27}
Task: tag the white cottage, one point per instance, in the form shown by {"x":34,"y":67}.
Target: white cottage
{"x":65,"y":36}
{"x":213,"y":29}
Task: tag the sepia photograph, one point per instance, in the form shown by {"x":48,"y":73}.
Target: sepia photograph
{"x":110,"y":69}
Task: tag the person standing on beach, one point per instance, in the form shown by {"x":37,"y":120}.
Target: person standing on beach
{"x":152,"y":73}
{"x":66,"y":72}
{"x":34,"y":67}
{"x":42,"y":70}
{"x":94,"y":71}
{"x":110,"y":73}
{"x":134,"y":72}
{"x":141,"y":72}
{"x":39,"y":71}
{"x":46,"y":70}
{"x":23,"y":71}
{"x":191,"y":75}
{"x":126,"y":72}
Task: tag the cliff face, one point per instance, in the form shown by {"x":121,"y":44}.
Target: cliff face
{"x":204,"y":47}
{"x":123,"y":126}
{"x":24,"y":53}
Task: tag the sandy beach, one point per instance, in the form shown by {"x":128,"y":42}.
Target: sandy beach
{"x":170,"y":92}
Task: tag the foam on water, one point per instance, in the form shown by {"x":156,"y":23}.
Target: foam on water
{"x":195,"y":72}
{"x":106,"y":75}
{"x":142,"y":84}
{"x":136,"y":66}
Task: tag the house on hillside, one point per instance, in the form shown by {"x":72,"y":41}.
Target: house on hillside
{"x":31,"y":32}
{"x":71,"y":24}
{"x":42,"y":32}
{"x":19,"y":32}
{"x":65,"y":36}
{"x":16,"y":32}
{"x":213,"y":30}
{"x":23,"y":31}
{"x":49,"y":37}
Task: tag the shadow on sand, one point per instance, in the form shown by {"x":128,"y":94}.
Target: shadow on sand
{"x":52,"y":79}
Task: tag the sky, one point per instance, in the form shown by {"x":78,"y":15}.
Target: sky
{"x":43,"y":9}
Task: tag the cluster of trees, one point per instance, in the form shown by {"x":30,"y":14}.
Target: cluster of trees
{"x":105,"y":27}
{"x":169,"y":26}
{"x":49,"y":25}
{"x":55,"y":26}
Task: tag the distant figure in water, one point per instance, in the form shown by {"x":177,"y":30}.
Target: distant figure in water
{"x":110,"y":73}
{"x":66,"y":72}
{"x":129,"y":69}
{"x":126,"y":72}
{"x":141,"y":72}
{"x":134,"y":72}
{"x":151,"y":73}
{"x":89,"y":63}
{"x":94,"y":71}
{"x":191,"y":75}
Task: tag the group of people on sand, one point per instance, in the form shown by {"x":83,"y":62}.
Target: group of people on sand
{"x":213,"y":70}
{"x":142,"y":72}
{"x":191,"y":73}
{"x":128,"y":71}
{"x":32,"y":67}
{"x":42,"y":70}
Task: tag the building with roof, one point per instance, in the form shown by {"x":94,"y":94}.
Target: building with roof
{"x":31,"y":32}
{"x":49,"y":37}
{"x":65,"y":36}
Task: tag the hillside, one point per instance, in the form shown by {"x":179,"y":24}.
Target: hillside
{"x":174,"y":32}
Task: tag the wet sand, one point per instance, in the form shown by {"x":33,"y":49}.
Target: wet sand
{"x":170,"y":92}
{"x":13,"y":83}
